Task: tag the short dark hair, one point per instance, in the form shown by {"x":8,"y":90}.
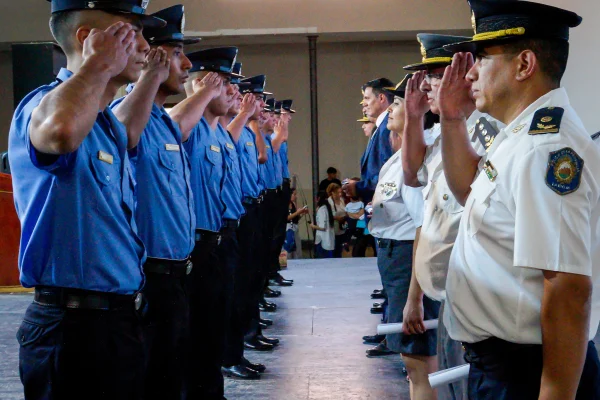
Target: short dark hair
{"x":377,"y":86}
{"x":331,"y":170}
{"x":61,"y":26}
{"x":551,"y":54}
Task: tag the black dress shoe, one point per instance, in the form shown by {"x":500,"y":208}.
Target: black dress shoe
{"x":264,"y":339}
{"x":266,"y":306}
{"x":255,"y":344}
{"x":265,"y":321}
{"x":240,"y":372}
{"x":280,"y":280}
{"x":379,"y":351}
{"x":270,"y":293}
{"x":377,"y":295}
{"x":377,"y":291}
{"x":377,"y":308}
{"x":257,"y":367}
{"x":375,"y":339}
{"x":263,"y":326}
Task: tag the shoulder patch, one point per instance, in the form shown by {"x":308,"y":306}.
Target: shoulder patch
{"x":546,"y":120}
{"x":563,"y":174}
{"x":485,"y":132}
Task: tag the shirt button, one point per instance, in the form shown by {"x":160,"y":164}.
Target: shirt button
{"x":445,"y":197}
{"x":108,"y":178}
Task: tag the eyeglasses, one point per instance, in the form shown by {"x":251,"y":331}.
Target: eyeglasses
{"x":430,"y":77}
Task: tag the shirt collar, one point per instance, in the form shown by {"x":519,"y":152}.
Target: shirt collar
{"x":381,"y":118}
{"x":554,"y":98}
{"x":157,"y":111}
{"x":64,"y":74}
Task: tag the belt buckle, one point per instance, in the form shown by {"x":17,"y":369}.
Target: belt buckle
{"x":137,"y":302}
{"x":218,"y":239}
{"x":188,"y":267}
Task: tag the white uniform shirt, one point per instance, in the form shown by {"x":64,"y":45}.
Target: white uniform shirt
{"x":514,"y":227}
{"x":441,"y":216}
{"x":325,"y":238}
{"x":397,"y":208}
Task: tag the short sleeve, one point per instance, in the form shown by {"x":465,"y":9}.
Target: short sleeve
{"x":552,"y":230}
{"x":413,"y":199}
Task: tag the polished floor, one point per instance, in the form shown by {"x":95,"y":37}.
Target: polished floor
{"x":320,"y":322}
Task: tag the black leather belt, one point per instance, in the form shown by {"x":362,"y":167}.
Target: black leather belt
{"x":208,"y":236}
{"x":385,"y":243}
{"x":272,"y":191}
{"x":253,"y":200}
{"x":230,"y":224}
{"x":176,"y":268}
{"x":86,"y":299}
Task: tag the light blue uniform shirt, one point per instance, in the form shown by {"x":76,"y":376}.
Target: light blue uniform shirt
{"x":165,"y":203}
{"x":232,"y":186}
{"x":208,"y":171}
{"x":248,"y":152}
{"x":277,"y":165}
{"x":77,"y":214}
{"x":283,"y":154}
{"x":267,"y":170}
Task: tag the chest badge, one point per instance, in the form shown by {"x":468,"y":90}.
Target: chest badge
{"x":107,"y":158}
{"x":490,"y":171}
{"x":564,"y":170}
{"x":388,"y":189}
{"x":249,"y":144}
{"x":229,"y":146}
{"x":172,"y":147}
{"x":216,"y":149}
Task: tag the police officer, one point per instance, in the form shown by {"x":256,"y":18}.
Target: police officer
{"x":165,"y":206}
{"x":424,"y":168}
{"x":209,"y":97}
{"x":519,"y":286}
{"x":375,"y":104}
{"x":81,"y":337}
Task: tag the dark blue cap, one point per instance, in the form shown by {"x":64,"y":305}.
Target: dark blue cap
{"x":135,"y":7}
{"x":400,"y":89}
{"x":286,"y":105}
{"x":237,"y":69}
{"x":255,"y":84}
{"x":497,"y":22}
{"x":173,"y":31}
{"x":277,"y":109}
{"x":218,"y":59}
{"x":433,"y":52}
{"x":270,"y":105}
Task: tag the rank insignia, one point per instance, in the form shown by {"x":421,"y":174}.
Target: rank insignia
{"x":546,"y":120}
{"x":563,"y":175}
{"x":388,"y":189}
{"x":485,"y":132}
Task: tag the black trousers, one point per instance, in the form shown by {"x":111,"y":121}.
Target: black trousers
{"x":281,"y":207}
{"x":247,"y":277}
{"x":81,"y":354}
{"x":502,"y":370}
{"x":207,"y":324}
{"x":229,"y":254}
{"x":167,"y":330}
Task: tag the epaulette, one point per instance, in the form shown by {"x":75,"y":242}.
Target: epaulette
{"x":546,"y":120}
{"x":595,"y":135}
{"x":485,"y":132}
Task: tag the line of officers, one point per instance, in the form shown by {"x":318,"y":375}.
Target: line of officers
{"x":149,"y":237}
{"x":505,"y":219}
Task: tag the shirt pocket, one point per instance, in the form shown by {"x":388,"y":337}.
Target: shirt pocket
{"x":108,"y":178}
{"x":478,"y":203}
{"x":171,"y":166}
{"x":215,"y":164}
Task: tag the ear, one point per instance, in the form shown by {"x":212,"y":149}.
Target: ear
{"x":526,"y":65}
{"x":381,"y":97}
{"x":82,"y":33}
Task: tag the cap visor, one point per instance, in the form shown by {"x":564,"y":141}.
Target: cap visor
{"x":397,"y":93}
{"x":473,"y":46}
{"x":191,"y":41}
{"x":149,"y":21}
{"x":424,"y":66}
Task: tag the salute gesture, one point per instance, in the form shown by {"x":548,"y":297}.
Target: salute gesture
{"x":211,"y":84}
{"x":248,"y":105}
{"x":415,"y":101}
{"x":109,"y":50}
{"x":157,"y":65}
{"x":454,"y":97}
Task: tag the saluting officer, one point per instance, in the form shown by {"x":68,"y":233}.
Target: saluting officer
{"x":209,"y":97}
{"x":423,"y":167}
{"x":82,"y":336}
{"x":519,"y":286}
{"x":165,"y":204}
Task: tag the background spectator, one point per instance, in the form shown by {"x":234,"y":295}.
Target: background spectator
{"x":331,"y":178}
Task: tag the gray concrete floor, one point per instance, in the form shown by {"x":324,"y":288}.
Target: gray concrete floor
{"x":320,"y":322}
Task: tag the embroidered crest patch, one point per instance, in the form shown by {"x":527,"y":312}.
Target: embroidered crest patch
{"x":563,"y":175}
{"x":389,"y":189}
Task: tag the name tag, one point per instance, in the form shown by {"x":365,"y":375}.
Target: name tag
{"x":172,"y":147}
{"x":216,"y":149}
{"x":229,"y":146}
{"x":268,"y":147}
{"x":107,"y":158}
{"x":250,"y":144}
